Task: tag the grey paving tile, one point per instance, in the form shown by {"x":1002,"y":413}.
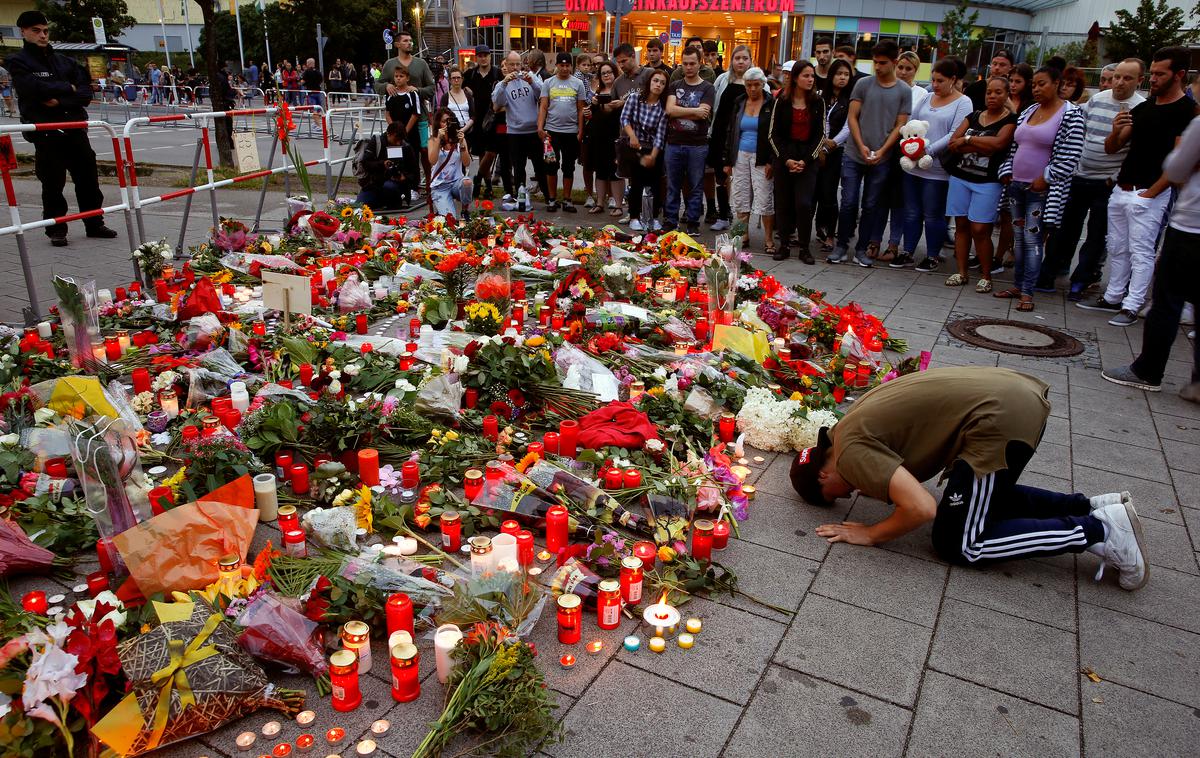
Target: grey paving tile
{"x":822,"y":719}
{"x":1020,"y":657}
{"x":790,"y":525}
{"x":1169,"y":402}
{"x":627,"y":707}
{"x":1142,"y":654}
{"x":1058,"y":431}
{"x":977,"y":721}
{"x":1132,"y":430}
{"x":1182,"y":455}
{"x":1170,"y":597}
{"x":1122,"y":402}
{"x":1121,"y":721}
{"x":773,"y":477}
{"x":1191,"y":518}
{"x":1178,"y":428}
{"x":917,"y":543}
{"x":729,"y":657}
{"x":1045,"y":482}
{"x":1118,"y":457}
{"x":1028,"y":589}
{"x":576,"y":679}
{"x":1168,"y":545}
{"x":961,"y":356}
{"x":770,"y":575}
{"x":1152,"y":499}
{"x":856,"y":648}
{"x":1051,"y":460}
{"x":883,"y":581}
{"x":1187,"y":488}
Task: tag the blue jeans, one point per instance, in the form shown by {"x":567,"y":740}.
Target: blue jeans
{"x":867,"y":181}
{"x":447,"y":196}
{"x":925,"y":206}
{"x":685,"y":165}
{"x":388,"y":196}
{"x":1029,"y":234}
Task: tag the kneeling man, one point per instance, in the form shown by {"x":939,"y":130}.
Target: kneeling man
{"x":978,"y":427}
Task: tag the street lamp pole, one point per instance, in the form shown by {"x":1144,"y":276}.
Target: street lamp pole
{"x":162,"y":23}
{"x":187,"y":25}
{"x":237,"y":19}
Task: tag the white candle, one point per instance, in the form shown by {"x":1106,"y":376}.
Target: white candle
{"x":239,"y":396}
{"x":447,"y":636}
{"x":327,"y":274}
{"x":504,"y":550}
{"x":45,"y":331}
{"x":266,"y":498}
{"x":170,"y":404}
{"x":399,"y":637}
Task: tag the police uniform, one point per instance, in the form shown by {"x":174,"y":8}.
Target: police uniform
{"x":41,"y":75}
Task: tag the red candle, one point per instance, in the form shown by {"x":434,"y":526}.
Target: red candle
{"x":160,"y":498}
{"x":556,"y":321}
{"x":35,"y":602}
{"x":321,"y":458}
{"x":121,"y":294}
{"x":406,"y":360}
{"x":231,"y":418}
{"x":556,"y":529}
{"x":48,"y":350}
{"x":721,"y":535}
{"x":524,"y":547}
{"x":613,"y":479}
{"x":471,"y":398}
{"x":294,"y":543}
{"x":631,"y":580}
{"x":568,"y":432}
{"x":726,"y":427}
{"x":343,"y":676}
{"x":410,"y":475}
{"x":550,"y":441}
{"x":681,"y":291}
{"x":306,"y":374}
{"x":491,"y":427}
{"x":299,"y":478}
{"x":414,"y":328}
{"x":221,"y":405}
{"x":190,"y":433}
{"x":368,"y":466}
{"x":701,"y":330}
{"x":702,"y":539}
{"x":360,"y":323}
{"x":544,"y":316}
{"x":283,"y":464}
{"x":112,"y":348}
{"x":288,"y":519}
{"x":472,"y":484}
{"x":161,"y":293}
{"x":538,"y":449}
{"x":259,"y":328}
{"x":56,"y":468}
{"x":451,"y":524}
{"x":102,"y":554}
{"x":570,"y":619}
{"x":608,"y":604}
{"x":141,"y":380}
{"x":510,"y":527}
{"x":518,"y":314}
{"x":633,"y":478}
{"x":647,"y":551}
{"x":406,"y":679}
{"x":97,"y":582}
{"x":399,"y":613}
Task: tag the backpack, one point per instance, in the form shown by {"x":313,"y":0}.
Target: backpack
{"x":361,"y":172}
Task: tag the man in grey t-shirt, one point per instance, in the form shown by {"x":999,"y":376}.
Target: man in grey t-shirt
{"x":517,"y":95}
{"x":560,"y":120}
{"x":879,"y":106}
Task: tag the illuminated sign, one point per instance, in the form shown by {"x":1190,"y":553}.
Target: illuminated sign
{"x":489,"y":21}
{"x":751,"y":6}
{"x":578,"y":26}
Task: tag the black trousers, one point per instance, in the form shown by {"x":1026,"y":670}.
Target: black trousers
{"x":55,"y":154}
{"x":528,"y":147}
{"x":643,"y":177}
{"x":1088,"y":200}
{"x":829,"y":177}
{"x":1176,"y":281}
{"x":795,"y":196}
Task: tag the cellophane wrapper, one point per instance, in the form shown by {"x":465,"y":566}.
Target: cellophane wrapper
{"x":275,"y":632}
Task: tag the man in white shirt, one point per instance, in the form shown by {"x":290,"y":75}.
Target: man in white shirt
{"x":1091,"y":186}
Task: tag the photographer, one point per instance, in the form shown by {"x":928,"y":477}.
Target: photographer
{"x":387,"y":169}
{"x":448,"y":154}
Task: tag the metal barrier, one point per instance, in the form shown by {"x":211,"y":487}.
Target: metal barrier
{"x":18,"y":227}
{"x":357,"y":131}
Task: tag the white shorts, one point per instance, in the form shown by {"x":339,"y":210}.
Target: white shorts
{"x":751,"y":190}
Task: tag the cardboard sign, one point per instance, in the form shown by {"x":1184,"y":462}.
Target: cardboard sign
{"x":245,"y":149}
{"x":287,"y":293}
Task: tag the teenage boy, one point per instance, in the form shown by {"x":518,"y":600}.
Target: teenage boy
{"x":689,"y":111}
{"x":560,"y":120}
{"x":879,"y":106}
{"x":654,"y":56}
{"x":1142,"y":191}
{"x":978,"y":427}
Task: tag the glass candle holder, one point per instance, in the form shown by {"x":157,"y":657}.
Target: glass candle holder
{"x":406,"y":679}
{"x":343,"y":676}
{"x":570,"y":618}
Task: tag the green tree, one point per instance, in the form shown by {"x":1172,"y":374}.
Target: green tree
{"x":1153,"y":25}
{"x":958,"y":36}
{"x":71,"y":20}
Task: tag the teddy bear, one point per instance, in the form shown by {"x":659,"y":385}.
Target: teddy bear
{"x":912,"y":143}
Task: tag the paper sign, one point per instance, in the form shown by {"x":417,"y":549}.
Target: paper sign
{"x":395,"y":151}
{"x":286,"y":292}
{"x":245,"y":148}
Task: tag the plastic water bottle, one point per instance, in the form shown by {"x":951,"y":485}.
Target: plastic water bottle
{"x":647,"y":208}
{"x":522,"y":200}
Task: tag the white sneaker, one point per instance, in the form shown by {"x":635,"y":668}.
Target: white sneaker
{"x":1188,"y":317}
{"x":720,"y":225}
{"x":636,"y":226}
{"x":590,"y":202}
{"x":612,"y":202}
{"x":507,"y":203}
{"x":1112,"y":498}
{"x":657,"y":225}
{"x":1124,"y":545}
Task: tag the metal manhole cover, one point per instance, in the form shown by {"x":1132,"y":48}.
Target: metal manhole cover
{"x":1017,"y":337}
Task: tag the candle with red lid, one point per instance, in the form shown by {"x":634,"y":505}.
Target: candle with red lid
{"x":631,"y":580}
{"x":141,"y":380}
{"x":399,"y":610}
{"x":721,"y":535}
{"x":414,"y":328}
{"x":472,"y":484}
{"x":556,"y":528}
{"x":570,"y":618}
{"x":544,"y":316}
{"x":727,"y":427}
{"x":406,"y":679}
{"x":406,"y":360}
{"x":556,"y":321}
{"x":451,"y":525}
{"x":568,"y":433}
{"x":702,"y":539}
{"x":608,"y":604}
{"x":491,"y":427}
{"x":343,"y":676}
{"x":368,"y":466}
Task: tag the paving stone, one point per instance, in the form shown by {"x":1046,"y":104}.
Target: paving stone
{"x":1191,"y":518}
{"x":981,"y":722}
{"x":856,"y":648}
{"x":770,"y":575}
{"x":821,"y":719}
{"x":627,"y":707}
{"x":1182,"y":455}
{"x":883,"y":581}
{"x":1028,"y":589}
{"x":1178,"y":428}
{"x":576,"y":679}
{"x":1020,"y":657}
{"x":1118,"y":457}
{"x":729,"y":656}
{"x":1153,"y":499}
{"x":1045,"y":482}
{"x":1142,"y":654}
{"x":1052,"y":460}
{"x":917,"y":543}
{"x":1187,"y":487}
{"x":1058,"y":431}
{"x":1128,"y":722}
{"x":1169,"y":402}
{"x":1168,"y":545}
{"x":1123,"y":402}
{"x":961,"y":356}
{"x":790,"y":525}
{"x":1131,"y":430}
{"x":1170,"y":597}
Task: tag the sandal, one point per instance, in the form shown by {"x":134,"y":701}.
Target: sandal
{"x":888,"y":255}
{"x":983,"y":286}
{"x":1026,"y":303}
{"x":956,"y":280}
{"x":615,"y":212}
{"x":1007,"y":294}
{"x":769,"y":250}
{"x":596,"y":209}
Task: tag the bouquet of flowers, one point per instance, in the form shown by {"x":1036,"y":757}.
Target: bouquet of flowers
{"x":151,"y":258}
{"x":618,"y":279}
{"x":484,"y":318}
{"x":272,"y":631}
{"x":77,"y":307}
{"x":18,"y":553}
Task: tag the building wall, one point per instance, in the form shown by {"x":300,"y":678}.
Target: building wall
{"x":1076,"y":17}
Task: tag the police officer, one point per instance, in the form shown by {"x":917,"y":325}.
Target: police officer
{"x":53,"y":88}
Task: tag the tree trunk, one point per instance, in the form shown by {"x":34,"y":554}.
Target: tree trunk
{"x":222,"y":127}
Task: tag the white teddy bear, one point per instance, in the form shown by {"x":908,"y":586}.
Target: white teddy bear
{"x":912,"y":143}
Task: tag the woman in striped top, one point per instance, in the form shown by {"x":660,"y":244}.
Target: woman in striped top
{"x":1037,"y":173}
{"x":643,"y":137}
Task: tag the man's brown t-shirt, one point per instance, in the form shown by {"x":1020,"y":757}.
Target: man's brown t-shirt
{"x":927,"y":421}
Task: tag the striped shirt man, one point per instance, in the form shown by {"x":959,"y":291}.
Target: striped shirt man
{"x":1098,"y":113}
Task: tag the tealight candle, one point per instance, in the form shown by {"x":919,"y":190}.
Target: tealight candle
{"x":245,"y":741}
{"x":657,"y":644}
{"x":693,"y":626}
{"x":381,"y":726}
{"x":271,"y":728}
{"x":686,"y":641}
{"x":305,"y":742}
{"x":335,"y":735}
{"x":595,"y":646}
{"x":365,"y":747}
{"x":282,"y":750}
{"x":632,"y":643}
{"x":304,"y":718}
{"x":749,"y":491}
{"x":567,"y":661}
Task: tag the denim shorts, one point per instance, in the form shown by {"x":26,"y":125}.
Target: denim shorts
{"x":978,"y":201}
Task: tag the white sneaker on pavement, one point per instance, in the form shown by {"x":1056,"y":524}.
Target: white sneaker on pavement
{"x":1124,"y":545}
{"x":590,"y":202}
{"x":1112,"y":498}
{"x":635,"y":225}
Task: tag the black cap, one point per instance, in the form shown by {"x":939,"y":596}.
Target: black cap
{"x":483,"y":50}
{"x":31,"y":18}
{"x":807,"y":466}
{"x":563,"y":58}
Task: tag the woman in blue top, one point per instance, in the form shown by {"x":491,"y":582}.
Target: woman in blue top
{"x":925,"y":188}
{"x":448,"y":160}
{"x":747,"y":158}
